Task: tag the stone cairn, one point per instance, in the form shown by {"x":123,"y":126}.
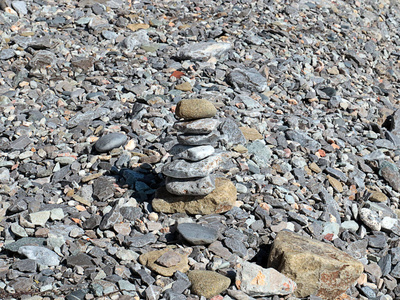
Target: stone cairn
{"x":189,"y":176}
{"x":190,"y":171}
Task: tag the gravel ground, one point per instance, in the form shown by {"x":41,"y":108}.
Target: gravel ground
{"x":305,"y":97}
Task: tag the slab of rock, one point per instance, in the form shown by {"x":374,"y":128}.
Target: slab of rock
{"x":149,"y":259}
{"x":192,"y":186}
{"x":110,"y":141}
{"x":203,"y":51}
{"x":200,"y":126}
{"x":184,"y":169}
{"x":196,"y":153}
{"x":230,"y":133}
{"x":197,"y":234}
{"x":248,"y":78}
{"x":256,"y":281}
{"x":220,"y":200}
{"x":192,"y":109}
{"x":208,"y":283}
{"x":317,"y":268}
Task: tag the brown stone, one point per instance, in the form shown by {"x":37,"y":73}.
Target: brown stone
{"x":149,"y":259}
{"x":317,"y":268}
{"x":314,"y":167}
{"x":220,"y":200}
{"x":191,"y":109}
{"x":377,"y":196}
{"x":251,"y":134}
{"x":186,"y":87}
{"x":208,"y":283}
{"x":336,"y":184}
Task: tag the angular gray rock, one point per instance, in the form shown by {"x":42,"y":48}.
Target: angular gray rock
{"x":247,"y":78}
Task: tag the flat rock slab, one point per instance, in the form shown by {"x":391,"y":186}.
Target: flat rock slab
{"x":200,"y":126}
{"x":110,"y":141}
{"x":257,"y":281}
{"x":220,"y":200}
{"x":192,"y":186}
{"x":196,"y":153}
{"x":198,"y":139}
{"x":184,"y":169}
{"x":251,"y":134}
{"x":197,"y":234}
{"x":149,"y":259}
{"x":208,"y":283}
{"x":192,"y":109}
{"x":317,"y":268}
{"x":203,"y":51}
{"x":26,"y":241}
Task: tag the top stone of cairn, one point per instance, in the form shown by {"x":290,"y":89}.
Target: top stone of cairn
{"x":192,"y":109}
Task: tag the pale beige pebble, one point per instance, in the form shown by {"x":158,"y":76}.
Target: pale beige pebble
{"x":238,"y":203}
{"x":153,"y":216}
{"x":131,"y":145}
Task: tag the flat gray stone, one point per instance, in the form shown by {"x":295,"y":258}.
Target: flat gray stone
{"x":197,"y":234}
{"x":80,"y":259}
{"x":110,"y":141}
{"x":28,"y":241}
{"x":200,"y":126}
{"x":198,"y":139}
{"x":192,"y":186}
{"x":41,"y":255}
{"x":304,"y":140}
{"x":391,"y":174}
{"x":183,"y":169}
{"x":196,"y":153}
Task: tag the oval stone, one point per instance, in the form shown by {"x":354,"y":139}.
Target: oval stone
{"x":197,"y":234}
{"x":191,"y":109}
{"x":110,"y":141}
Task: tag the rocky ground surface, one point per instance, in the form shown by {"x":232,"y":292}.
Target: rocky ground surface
{"x":306,"y":93}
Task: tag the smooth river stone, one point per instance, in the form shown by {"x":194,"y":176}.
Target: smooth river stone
{"x":183,"y":169}
{"x":196,"y":153}
{"x":192,"y":109}
{"x":197,"y":234}
{"x":218,"y":201}
{"x":192,"y":186}
{"x":198,"y":139}
{"x":110,"y":141}
{"x":200,"y":126}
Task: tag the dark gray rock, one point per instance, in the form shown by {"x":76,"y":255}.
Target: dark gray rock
{"x":80,"y":259}
{"x":391,"y":174}
{"x":230,"y":133}
{"x":110,"y":141}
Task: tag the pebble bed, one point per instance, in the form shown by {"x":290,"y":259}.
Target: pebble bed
{"x":306,"y":95}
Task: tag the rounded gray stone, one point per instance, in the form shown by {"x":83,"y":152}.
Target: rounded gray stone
{"x":197,"y":234}
{"x":110,"y":141}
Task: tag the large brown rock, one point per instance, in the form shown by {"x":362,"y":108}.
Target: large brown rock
{"x":317,"y":268}
{"x":208,"y":283}
{"x":220,"y":200}
{"x":190,"y":109}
